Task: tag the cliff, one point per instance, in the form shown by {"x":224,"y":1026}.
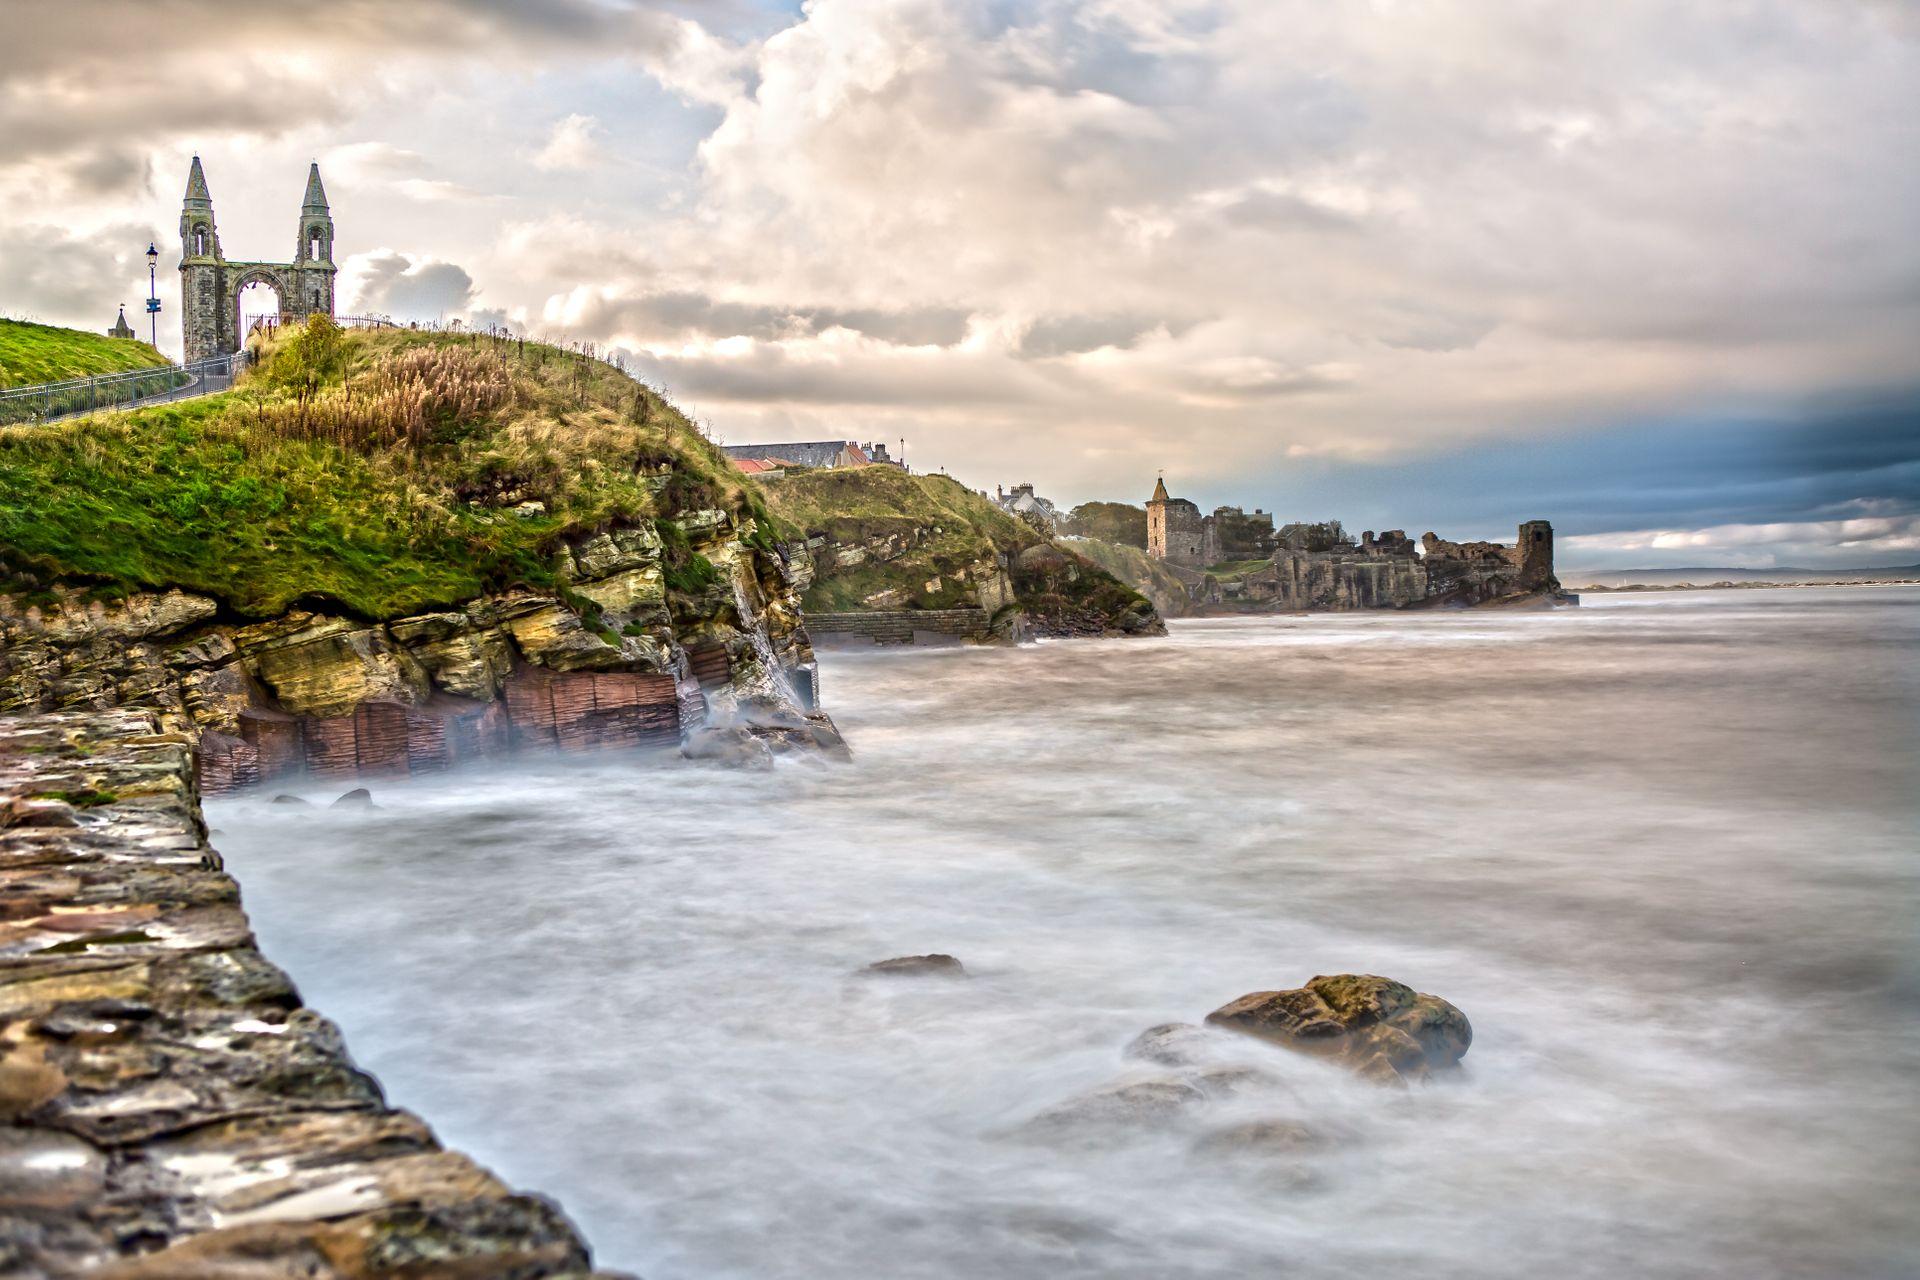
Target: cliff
{"x":386,"y":552}
{"x":884,"y":541}
{"x":168,"y":1105}
{"x":1158,"y":581}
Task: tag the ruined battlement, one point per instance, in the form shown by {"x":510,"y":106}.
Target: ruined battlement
{"x":1318,"y":565}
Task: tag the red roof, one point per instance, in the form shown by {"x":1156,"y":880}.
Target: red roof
{"x":753,"y":466}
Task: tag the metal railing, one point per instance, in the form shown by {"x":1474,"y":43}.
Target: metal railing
{"x":51,"y":401}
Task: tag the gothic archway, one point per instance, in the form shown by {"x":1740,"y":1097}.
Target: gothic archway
{"x":260,"y":297}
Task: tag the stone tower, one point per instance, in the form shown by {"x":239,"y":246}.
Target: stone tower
{"x":1157,"y":520}
{"x":1176,"y":532}
{"x":210,"y":285}
{"x":1533,"y":556}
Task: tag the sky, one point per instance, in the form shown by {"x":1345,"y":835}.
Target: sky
{"x":1648,"y":269}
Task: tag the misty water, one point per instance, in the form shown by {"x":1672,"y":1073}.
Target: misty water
{"x":1660,"y":849}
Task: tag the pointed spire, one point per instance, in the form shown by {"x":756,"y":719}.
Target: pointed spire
{"x":197,"y":185}
{"x":1159,"y":490}
{"x":316,"y":201}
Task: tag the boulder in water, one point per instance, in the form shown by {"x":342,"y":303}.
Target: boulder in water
{"x":358,"y":798}
{"x":1171,"y":1044}
{"x":935,"y":965}
{"x":296,"y":802}
{"x":1381,"y":1029}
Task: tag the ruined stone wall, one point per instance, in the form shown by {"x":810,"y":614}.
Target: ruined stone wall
{"x":614,"y":659}
{"x":1386,"y":572}
{"x":169,"y":1107}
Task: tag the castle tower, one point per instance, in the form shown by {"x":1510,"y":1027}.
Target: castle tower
{"x":203,"y":301}
{"x":1533,"y":555}
{"x":1157,"y":520}
{"x":313,"y":267}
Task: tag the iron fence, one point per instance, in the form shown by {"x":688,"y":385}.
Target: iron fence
{"x":51,"y":401}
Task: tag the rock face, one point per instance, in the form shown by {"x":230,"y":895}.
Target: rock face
{"x":612,"y":658}
{"x":1382,"y":1029}
{"x":168,"y":1106}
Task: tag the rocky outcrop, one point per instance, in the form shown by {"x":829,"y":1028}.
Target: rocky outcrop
{"x":169,"y":1108}
{"x":613,"y":656}
{"x":1382,"y":1029}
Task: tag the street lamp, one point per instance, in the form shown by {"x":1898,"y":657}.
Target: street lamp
{"x":153,"y":295}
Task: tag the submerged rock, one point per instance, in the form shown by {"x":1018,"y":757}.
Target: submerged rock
{"x":1381,"y":1029}
{"x":358,"y":798}
{"x":935,"y":965}
{"x":296,"y":802}
{"x":1171,"y":1044}
{"x":1127,"y":1106}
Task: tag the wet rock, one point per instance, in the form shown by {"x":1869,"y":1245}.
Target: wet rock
{"x":935,"y":965}
{"x":1126,"y":1106}
{"x":1381,"y":1029}
{"x":1263,"y":1137}
{"x":296,"y":802}
{"x":735,"y":748}
{"x":38,"y":811}
{"x":1172,"y":1044}
{"x":358,"y":798}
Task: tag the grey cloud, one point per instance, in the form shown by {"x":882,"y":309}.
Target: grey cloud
{"x":682,"y":314}
{"x":53,"y":275}
{"x":1074,"y":334}
{"x":1279,"y":211}
{"x":393,"y":284}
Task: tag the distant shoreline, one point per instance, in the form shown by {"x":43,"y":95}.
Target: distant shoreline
{"x":1630,"y":587}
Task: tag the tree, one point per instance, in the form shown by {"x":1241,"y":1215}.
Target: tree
{"x":1108,"y":521}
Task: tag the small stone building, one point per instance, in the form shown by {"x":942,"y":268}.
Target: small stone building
{"x":121,"y":329}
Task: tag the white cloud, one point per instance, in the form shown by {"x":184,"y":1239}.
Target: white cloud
{"x":573,"y":144}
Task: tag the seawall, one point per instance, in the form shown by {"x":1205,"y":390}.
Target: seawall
{"x":169,"y":1108}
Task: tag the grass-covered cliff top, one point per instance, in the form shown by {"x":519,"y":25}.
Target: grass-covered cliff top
{"x":858,"y":501}
{"x":952,"y":538}
{"x":32,"y":353}
{"x":384,"y":471}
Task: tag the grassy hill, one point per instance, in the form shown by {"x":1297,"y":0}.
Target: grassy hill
{"x":32,"y":353}
{"x":388,"y":472}
{"x":929,"y":542}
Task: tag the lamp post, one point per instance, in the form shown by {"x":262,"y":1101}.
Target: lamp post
{"x":153,"y":295}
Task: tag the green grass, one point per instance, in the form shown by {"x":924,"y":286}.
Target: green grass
{"x":32,"y":353}
{"x":1237,"y":568}
{"x":252,"y":497}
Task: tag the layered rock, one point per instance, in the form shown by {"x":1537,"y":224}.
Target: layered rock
{"x":612,"y":656}
{"x":168,"y":1105}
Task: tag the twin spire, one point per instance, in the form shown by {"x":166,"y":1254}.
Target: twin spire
{"x":315,"y":201}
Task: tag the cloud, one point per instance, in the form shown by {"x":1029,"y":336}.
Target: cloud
{"x":399,"y":285}
{"x":51,"y":273}
{"x":1411,"y":264}
{"x":1864,"y":542}
{"x":572,"y":145}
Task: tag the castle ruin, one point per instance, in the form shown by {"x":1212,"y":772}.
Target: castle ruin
{"x":210,"y":285}
{"x":1320,"y":566}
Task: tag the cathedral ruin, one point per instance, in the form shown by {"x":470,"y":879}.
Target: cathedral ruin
{"x":210,"y":285}
{"x":1231,"y":560}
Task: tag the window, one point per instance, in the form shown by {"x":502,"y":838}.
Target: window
{"x":313,"y":245}
{"x":316,"y":299}
{"x":199,"y":241}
